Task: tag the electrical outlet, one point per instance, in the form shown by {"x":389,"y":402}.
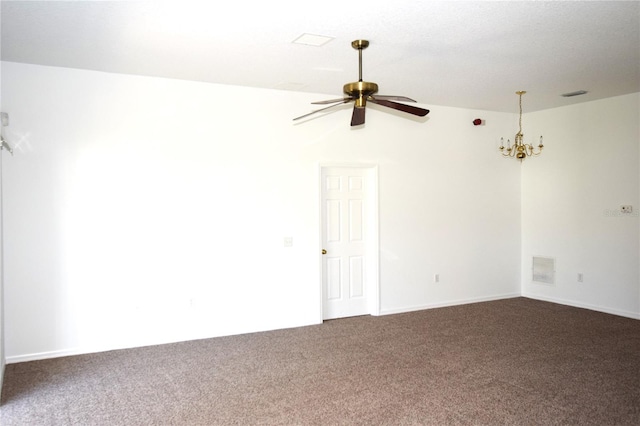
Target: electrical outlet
{"x":580,"y":277}
{"x":626,"y":209}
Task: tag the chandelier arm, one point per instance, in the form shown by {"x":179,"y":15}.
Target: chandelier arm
{"x":510,"y":152}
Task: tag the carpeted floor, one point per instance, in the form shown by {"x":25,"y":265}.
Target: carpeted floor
{"x":509,"y":362}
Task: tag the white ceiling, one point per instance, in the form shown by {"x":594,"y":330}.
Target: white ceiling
{"x":471,"y":54}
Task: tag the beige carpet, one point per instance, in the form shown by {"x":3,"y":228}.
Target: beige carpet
{"x":509,"y":362}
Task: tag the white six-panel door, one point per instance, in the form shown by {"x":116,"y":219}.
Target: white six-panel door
{"x":345,"y":224}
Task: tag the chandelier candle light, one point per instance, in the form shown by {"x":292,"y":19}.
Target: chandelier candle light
{"x":519,"y":149}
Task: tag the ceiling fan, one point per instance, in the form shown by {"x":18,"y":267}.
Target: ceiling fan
{"x":363,"y":91}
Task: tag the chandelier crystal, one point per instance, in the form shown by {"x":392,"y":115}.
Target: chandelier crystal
{"x":520,"y":150}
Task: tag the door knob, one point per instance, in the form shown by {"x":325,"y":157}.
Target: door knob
{"x":324,"y":251}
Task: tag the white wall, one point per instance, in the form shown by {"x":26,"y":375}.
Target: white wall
{"x":571,"y":198}
{"x":145,"y":210}
{"x":2,"y":356}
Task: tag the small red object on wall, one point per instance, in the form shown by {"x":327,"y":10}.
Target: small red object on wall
{"x":477,"y":122}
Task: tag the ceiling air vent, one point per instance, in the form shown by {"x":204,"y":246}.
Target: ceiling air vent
{"x":576,"y":93}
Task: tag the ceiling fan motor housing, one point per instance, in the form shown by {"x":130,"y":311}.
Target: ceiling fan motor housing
{"x":360,"y":91}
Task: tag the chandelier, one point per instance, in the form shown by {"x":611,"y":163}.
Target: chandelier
{"x":519,"y":149}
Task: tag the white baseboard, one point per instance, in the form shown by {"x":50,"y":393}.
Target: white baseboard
{"x":79,"y":351}
{"x":129,"y":345}
{"x":43,"y":355}
{"x":604,"y":309}
{"x":448,"y":303}
{"x":83,"y":351}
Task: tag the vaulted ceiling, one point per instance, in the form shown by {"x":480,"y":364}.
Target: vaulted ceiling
{"x":471,"y":54}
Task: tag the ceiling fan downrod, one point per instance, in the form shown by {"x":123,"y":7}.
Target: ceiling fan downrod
{"x":360,"y":45}
{"x":360,"y":90}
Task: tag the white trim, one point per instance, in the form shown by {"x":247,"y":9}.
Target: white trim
{"x":119,"y":347}
{"x":603,"y":309}
{"x":78,"y":351}
{"x":449,"y":303}
{"x":374,"y":244}
{"x":45,"y":355}
{"x":320,"y":248}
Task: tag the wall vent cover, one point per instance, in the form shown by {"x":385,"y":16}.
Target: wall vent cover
{"x":544,"y":269}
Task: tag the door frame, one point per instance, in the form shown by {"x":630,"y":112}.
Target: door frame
{"x":372,"y":269}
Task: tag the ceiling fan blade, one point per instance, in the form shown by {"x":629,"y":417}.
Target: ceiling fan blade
{"x":344,"y":101}
{"x":331,"y":101}
{"x":400,"y":107}
{"x":357,"y":118}
{"x":394,"y":98}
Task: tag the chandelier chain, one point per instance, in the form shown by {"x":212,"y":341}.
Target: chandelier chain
{"x":520,"y":119}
